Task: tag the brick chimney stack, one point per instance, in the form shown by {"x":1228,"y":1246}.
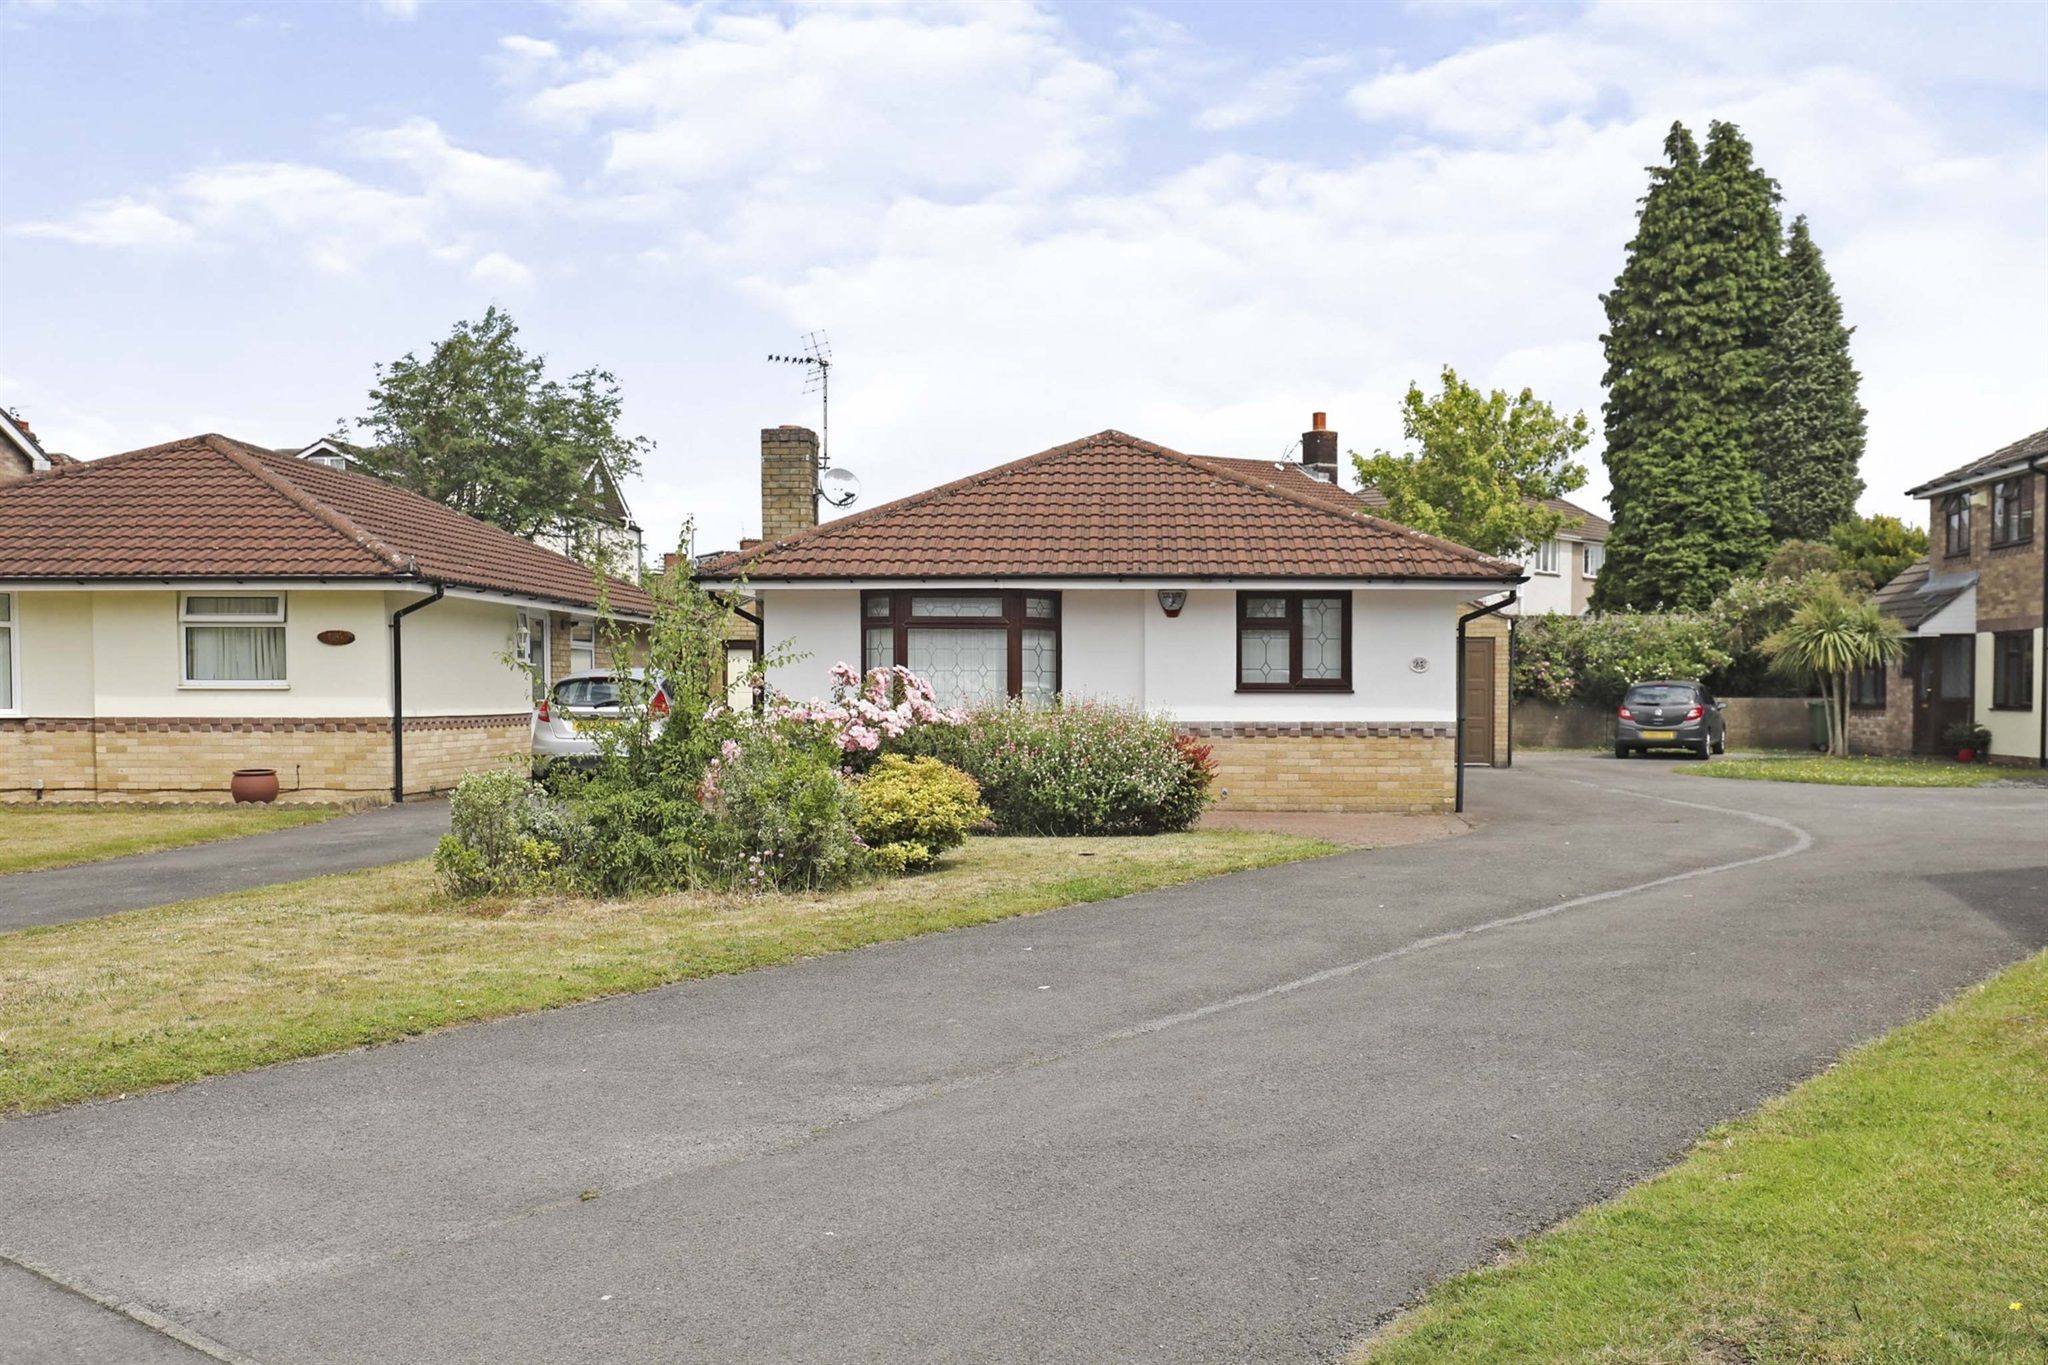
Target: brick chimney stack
{"x":1319,"y":449}
{"x":789,"y":481}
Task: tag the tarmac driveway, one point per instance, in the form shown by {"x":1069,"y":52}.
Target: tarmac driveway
{"x":1237,"y":1120}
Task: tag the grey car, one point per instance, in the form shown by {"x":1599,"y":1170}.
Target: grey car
{"x":575,"y":711}
{"x":1668,"y":714}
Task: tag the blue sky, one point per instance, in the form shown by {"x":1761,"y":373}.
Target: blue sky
{"x":1019,"y":223}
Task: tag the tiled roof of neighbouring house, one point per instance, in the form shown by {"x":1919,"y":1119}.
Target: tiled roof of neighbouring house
{"x":1918,"y":593}
{"x":1578,"y":521}
{"x":1111,"y":505}
{"x":210,"y":507}
{"x":2019,"y":453}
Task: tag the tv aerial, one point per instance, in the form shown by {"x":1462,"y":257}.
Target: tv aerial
{"x":838,"y":487}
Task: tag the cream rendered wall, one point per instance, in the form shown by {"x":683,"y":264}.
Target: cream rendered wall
{"x":2014,"y":734}
{"x":55,"y":635}
{"x":1545,"y":593}
{"x":1120,"y":645}
{"x":456,"y":659}
{"x":816,"y":627}
{"x":1191,"y":662}
{"x":136,"y":662}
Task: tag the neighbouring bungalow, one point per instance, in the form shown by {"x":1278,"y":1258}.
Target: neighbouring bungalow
{"x":170,"y":615}
{"x":1313,"y":645}
{"x":1973,"y":611}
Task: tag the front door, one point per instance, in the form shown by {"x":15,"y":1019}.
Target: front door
{"x":1944,"y":675}
{"x":1478,"y":700}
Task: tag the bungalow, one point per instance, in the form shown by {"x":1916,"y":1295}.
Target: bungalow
{"x":21,"y":454}
{"x":1973,"y":612}
{"x":172,"y":614}
{"x":1313,"y":645}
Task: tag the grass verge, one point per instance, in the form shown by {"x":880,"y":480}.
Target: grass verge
{"x":36,"y":837}
{"x":157,"y":997}
{"x":1860,"y":772}
{"x":1892,"y":1210}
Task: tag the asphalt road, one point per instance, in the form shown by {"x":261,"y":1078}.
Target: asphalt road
{"x":347,"y":843}
{"x":1235,"y":1121}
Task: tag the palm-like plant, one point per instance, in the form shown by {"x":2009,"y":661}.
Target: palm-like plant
{"x":1829,"y":638}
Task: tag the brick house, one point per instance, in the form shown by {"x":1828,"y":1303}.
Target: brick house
{"x":21,"y":454}
{"x":175,"y":613}
{"x":1313,"y":645}
{"x":1973,"y":614}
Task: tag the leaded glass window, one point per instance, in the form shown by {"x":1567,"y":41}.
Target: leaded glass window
{"x":1322,"y":639}
{"x":1039,"y":681}
{"x":1293,"y":642}
{"x":990,"y":605}
{"x":973,"y":647}
{"x":964,"y":667}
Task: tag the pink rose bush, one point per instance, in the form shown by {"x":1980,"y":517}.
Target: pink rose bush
{"x":864,"y":713}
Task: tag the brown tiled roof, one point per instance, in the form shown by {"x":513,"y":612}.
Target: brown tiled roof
{"x":1108,"y":506}
{"x":1918,"y":592}
{"x":210,"y":507}
{"x":2023,"y":451}
{"x":1578,"y":521}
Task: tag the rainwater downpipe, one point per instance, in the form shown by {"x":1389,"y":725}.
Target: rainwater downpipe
{"x":398,"y":688}
{"x":2040,"y":466}
{"x":1458,"y":757}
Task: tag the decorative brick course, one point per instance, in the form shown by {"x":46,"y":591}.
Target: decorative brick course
{"x":1333,"y":766}
{"x":179,"y":758}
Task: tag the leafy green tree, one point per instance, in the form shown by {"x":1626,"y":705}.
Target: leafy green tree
{"x":1827,"y":640}
{"x":1687,"y":341}
{"x":480,"y":426}
{"x":1482,"y":463}
{"x":1810,"y":431}
{"x":1880,"y":547}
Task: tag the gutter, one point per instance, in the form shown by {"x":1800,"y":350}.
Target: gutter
{"x":398,"y":687}
{"x":1458,"y":757}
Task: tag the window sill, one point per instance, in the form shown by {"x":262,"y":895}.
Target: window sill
{"x":2017,"y":710}
{"x":234,"y":687}
{"x":2024,"y":544}
{"x":1290,"y":689}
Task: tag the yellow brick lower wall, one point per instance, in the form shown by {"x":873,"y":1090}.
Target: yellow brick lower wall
{"x":178,"y":759}
{"x":1332,"y":767}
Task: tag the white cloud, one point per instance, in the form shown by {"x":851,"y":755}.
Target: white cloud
{"x":1272,"y":94}
{"x":500,"y":271}
{"x":123,"y":222}
{"x":453,"y":173}
{"x":405,"y":11}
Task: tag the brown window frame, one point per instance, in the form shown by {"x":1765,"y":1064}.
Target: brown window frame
{"x":2019,"y":523}
{"x":1292,"y":621}
{"x":1955,"y":519}
{"x":1013,"y":620}
{"x":2019,"y":674}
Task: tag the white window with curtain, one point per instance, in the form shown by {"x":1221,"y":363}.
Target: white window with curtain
{"x":1544,"y":558}
{"x":10,"y":659}
{"x":582,"y":646}
{"x":1596,"y":558}
{"x":232,"y":639}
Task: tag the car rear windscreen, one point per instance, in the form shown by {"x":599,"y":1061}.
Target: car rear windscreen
{"x":587,"y":692}
{"x":1661,"y":694}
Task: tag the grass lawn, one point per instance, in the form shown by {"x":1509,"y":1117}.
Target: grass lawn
{"x":156,"y":997}
{"x":1892,"y":1210}
{"x":33,"y":837}
{"x":1862,"y":772}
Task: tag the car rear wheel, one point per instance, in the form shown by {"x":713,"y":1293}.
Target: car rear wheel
{"x":1706,"y":749}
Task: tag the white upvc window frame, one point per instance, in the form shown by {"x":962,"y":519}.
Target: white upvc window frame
{"x":10,"y":656}
{"x":1587,"y":550}
{"x":188,"y":618}
{"x":1551,"y":550}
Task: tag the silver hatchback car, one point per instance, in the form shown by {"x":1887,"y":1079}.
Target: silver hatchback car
{"x":575,"y":711}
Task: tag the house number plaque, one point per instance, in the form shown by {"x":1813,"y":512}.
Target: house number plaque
{"x":336,"y":637}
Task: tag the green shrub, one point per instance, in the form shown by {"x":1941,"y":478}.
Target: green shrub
{"x":914,"y":809}
{"x":780,"y":814}
{"x":506,"y":836}
{"x":642,"y":840}
{"x":1594,"y":659}
{"x":1082,"y":768}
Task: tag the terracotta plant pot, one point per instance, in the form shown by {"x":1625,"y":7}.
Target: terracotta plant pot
{"x":254,"y":784}
{"x":1966,"y":755}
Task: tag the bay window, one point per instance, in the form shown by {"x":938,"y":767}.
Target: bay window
{"x":1293,"y":642}
{"x":232,"y":639}
{"x":971,"y":646}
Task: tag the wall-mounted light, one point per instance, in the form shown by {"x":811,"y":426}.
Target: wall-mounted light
{"x":1171,"y":600}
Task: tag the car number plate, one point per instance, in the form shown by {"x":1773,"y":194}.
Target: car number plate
{"x":1660,"y":734}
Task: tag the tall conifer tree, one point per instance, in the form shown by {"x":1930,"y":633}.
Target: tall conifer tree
{"x":1810,"y":435}
{"x":1689,"y":322}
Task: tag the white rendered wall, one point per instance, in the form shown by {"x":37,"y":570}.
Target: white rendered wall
{"x":1120,"y":645}
{"x":2014,"y":734}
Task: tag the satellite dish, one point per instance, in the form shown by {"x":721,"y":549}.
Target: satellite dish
{"x":840,"y":487}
